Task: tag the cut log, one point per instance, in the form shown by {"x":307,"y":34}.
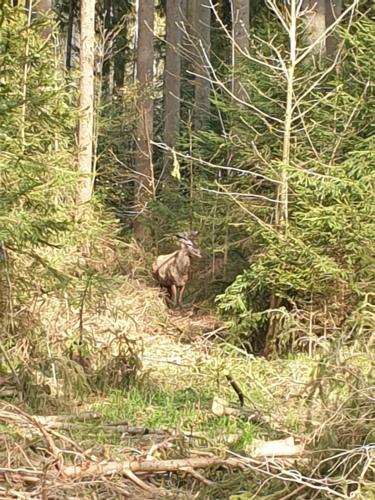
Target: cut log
{"x":279,"y":448}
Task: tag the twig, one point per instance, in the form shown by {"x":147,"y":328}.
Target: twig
{"x":236,"y":388}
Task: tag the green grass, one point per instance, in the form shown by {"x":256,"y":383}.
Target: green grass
{"x":182,"y":402}
{"x":183,"y":410}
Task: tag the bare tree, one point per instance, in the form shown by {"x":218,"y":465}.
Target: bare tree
{"x":86,"y":100}
{"x":172,"y":78}
{"x":299,"y":102}
{"x":144,"y":132}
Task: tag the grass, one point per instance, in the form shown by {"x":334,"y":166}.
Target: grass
{"x":175,"y":392}
{"x":184,"y":410}
{"x":325,"y":399}
{"x":179,"y":397}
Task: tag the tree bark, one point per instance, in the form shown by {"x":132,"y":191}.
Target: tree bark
{"x":172,"y":72}
{"x":240,"y":42}
{"x":202,"y":85}
{"x":333,"y":11}
{"x":144,"y":133}
{"x":316,"y":25}
{"x":86,"y":99}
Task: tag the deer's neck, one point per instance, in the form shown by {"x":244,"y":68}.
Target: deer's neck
{"x":183,"y":260}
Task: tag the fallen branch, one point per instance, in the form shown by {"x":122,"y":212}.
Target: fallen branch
{"x":10,"y":414}
{"x":87,"y":470}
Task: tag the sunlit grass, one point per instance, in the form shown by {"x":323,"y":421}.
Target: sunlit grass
{"x":185,"y":411}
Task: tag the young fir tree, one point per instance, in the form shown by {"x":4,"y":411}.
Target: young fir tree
{"x":300,"y":181}
{"x":37,"y":178}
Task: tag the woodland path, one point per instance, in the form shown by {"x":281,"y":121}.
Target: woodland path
{"x":185,"y":342}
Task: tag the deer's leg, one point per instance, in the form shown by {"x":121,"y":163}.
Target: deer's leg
{"x":182,"y":289}
{"x":173,"y":294}
{"x":168,"y":296}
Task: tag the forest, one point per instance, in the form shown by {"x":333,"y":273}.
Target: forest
{"x":187,"y":249}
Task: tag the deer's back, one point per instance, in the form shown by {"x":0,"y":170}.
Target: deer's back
{"x":170,"y":270}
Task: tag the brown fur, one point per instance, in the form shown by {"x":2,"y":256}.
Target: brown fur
{"x":172,"y":271}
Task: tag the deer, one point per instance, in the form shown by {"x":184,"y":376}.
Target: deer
{"x":172,"y":271}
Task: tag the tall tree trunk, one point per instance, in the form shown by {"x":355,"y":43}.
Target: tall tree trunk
{"x":119,"y":60}
{"x":316,"y":25}
{"x":172,"y":78}
{"x":240,"y":42}
{"x":86,"y":99}
{"x":202,"y":84}
{"x":333,"y":11}
{"x":69,"y":35}
{"x":144,"y":132}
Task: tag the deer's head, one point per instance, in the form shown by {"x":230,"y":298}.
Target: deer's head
{"x":187,"y":241}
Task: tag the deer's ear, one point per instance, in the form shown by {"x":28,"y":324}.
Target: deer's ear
{"x":182,"y":236}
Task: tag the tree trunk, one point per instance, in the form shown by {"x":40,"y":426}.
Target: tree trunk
{"x":172,"y":78}
{"x":190,"y":54}
{"x":86,"y":99}
{"x":202,"y":85}
{"x":333,"y":11}
{"x":144,"y":132}
{"x":240,"y":42}
{"x":316,"y":25}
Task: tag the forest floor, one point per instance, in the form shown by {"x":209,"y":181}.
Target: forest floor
{"x":174,"y":411}
{"x":196,"y":396}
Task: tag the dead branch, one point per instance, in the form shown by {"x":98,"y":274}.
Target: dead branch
{"x":87,"y":470}
{"x":236,"y":388}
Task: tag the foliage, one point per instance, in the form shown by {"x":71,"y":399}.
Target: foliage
{"x":320,"y":270}
{"x":36,"y":174}
{"x":55,"y":271}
